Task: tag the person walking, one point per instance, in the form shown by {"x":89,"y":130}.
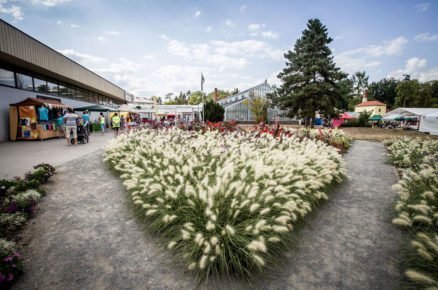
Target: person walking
{"x":70,"y":121}
{"x":115,"y":122}
{"x":102,"y":122}
{"x":86,"y":121}
{"x":60,"y":125}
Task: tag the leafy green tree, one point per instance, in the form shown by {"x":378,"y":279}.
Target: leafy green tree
{"x":214,"y":112}
{"x":384,"y":91}
{"x":359,"y":82}
{"x":157,"y":99}
{"x":345,"y":88}
{"x":407,"y":93}
{"x":196,"y":98}
{"x":309,"y":80}
{"x":434,"y":93}
{"x":259,"y":107}
{"x":364,"y":119}
{"x":221,"y":94}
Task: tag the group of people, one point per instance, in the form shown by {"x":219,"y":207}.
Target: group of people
{"x":69,"y":122}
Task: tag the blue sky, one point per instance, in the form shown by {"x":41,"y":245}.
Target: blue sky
{"x":156,"y":47}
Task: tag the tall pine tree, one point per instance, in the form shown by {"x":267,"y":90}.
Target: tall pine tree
{"x":309,"y":80}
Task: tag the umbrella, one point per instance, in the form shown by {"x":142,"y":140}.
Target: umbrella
{"x":394,"y":117}
{"x":346,"y":116}
{"x":375,"y":118}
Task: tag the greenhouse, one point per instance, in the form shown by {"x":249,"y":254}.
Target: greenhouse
{"x":237,"y":109}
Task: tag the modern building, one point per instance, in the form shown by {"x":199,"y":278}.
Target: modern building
{"x":31,"y":69}
{"x":236,"y":108}
{"x":155,"y":112}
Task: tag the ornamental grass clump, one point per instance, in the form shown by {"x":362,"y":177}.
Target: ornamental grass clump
{"x":227,"y":203}
{"x":417,"y":206}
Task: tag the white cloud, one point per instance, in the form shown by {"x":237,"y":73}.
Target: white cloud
{"x":339,"y":37}
{"x":426,"y":37}
{"x":229,"y":23}
{"x":243,"y":8}
{"x":209,"y":28}
{"x":255,"y":27}
{"x":269,"y":34}
{"x":13,"y":10}
{"x":112,"y":32}
{"x":225,"y":56}
{"x":149,"y":56}
{"x":59,"y":22}
{"x":121,"y":68}
{"x":164,"y":37}
{"x":197,"y":13}
{"x":82,"y":58}
{"x":101,"y":39}
{"x":74,"y":25}
{"x":417,"y":69}
{"x":50,"y":3}
{"x":390,"y":47}
{"x":359,"y":59}
{"x":423,"y":7}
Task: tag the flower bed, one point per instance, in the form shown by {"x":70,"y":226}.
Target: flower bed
{"x":226,"y":203}
{"x":333,"y":137}
{"x":18,"y":200}
{"x":417,"y":207}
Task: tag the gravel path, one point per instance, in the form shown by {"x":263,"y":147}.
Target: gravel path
{"x":86,"y":237}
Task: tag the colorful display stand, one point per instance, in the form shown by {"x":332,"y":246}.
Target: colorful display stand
{"x":34,"y":119}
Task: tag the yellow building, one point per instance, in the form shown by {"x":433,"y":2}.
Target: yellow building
{"x":375,"y":107}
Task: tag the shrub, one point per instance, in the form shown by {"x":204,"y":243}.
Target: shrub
{"x":225,"y":202}
{"x":11,"y":222}
{"x":10,"y":266}
{"x":214,"y":112}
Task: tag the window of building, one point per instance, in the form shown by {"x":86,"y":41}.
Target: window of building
{"x":24,"y":82}
{"x":40,"y":85}
{"x":63,"y":90}
{"x":7,"y":78}
{"x":52,"y":88}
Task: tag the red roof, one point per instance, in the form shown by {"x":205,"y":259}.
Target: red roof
{"x":371,"y":103}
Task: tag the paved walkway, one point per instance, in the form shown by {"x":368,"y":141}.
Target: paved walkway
{"x":20,"y":156}
{"x":86,"y":237}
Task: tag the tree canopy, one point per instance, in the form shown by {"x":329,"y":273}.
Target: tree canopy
{"x":309,"y":80}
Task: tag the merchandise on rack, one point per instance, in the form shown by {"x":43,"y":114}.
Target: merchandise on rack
{"x":35,"y":118}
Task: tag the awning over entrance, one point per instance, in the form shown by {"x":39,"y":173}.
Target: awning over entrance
{"x":51,"y":103}
{"x":95,"y":108}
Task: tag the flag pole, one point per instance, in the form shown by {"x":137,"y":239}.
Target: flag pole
{"x":203,"y":99}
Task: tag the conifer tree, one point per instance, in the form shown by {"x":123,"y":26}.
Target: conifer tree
{"x":309,"y":80}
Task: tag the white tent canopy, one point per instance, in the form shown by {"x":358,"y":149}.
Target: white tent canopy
{"x":411,"y":111}
{"x":429,"y":123}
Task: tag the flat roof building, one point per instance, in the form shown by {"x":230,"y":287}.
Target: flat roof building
{"x":31,"y":69}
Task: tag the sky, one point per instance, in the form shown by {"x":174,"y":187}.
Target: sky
{"x":158,"y":47}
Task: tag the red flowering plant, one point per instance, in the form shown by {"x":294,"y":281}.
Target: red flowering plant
{"x":335,"y":138}
{"x":223,"y":127}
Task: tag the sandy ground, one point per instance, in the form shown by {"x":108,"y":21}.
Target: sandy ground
{"x":86,"y":237}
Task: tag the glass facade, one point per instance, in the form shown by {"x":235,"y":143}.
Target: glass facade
{"x":26,"y":81}
{"x":236,"y":109}
{"x":7,"y":78}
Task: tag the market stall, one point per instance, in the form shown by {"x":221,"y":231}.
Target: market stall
{"x":34,"y":119}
